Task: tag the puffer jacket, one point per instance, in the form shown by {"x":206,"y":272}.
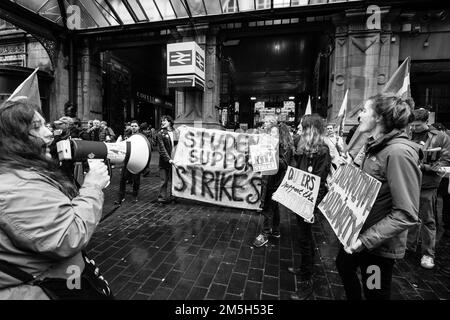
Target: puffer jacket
{"x":394,"y":161}
{"x":42,"y":231}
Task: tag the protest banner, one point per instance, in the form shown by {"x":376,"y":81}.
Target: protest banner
{"x":212,"y":166}
{"x":349,"y":201}
{"x":298,"y":192}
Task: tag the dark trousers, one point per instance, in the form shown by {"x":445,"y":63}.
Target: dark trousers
{"x":306,"y":249}
{"x":135,"y":179}
{"x":443,"y":190}
{"x":165,"y":191}
{"x":347,"y":265}
{"x":271,"y":213}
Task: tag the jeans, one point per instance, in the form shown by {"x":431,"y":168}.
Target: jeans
{"x":374,"y":289}
{"x":126,"y":175}
{"x":271,"y":212}
{"x":426,"y":225}
{"x":306,"y":249}
{"x":165,"y":191}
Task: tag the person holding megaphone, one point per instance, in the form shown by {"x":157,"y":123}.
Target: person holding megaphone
{"x":45,"y":221}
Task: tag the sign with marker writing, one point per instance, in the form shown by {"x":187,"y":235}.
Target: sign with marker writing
{"x":349,"y":201}
{"x":298,"y":192}
{"x":212,"y":166}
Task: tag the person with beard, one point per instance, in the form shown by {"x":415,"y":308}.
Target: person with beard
{"x":392,"y":159}
{"x":126,"y":175}
{"x":45,"y":222}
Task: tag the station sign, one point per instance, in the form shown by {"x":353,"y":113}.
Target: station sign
{"x":185,"y":65}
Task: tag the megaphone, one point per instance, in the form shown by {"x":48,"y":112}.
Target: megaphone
{"x":135,"y":152}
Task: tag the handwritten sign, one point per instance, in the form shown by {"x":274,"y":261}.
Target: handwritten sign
{"x":298,"y":191}
{"x":349,"y":201}
{"x":263,"y":158}
{"x":213,"y":167}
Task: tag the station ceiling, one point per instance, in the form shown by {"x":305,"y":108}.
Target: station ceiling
{"x":95,"y":14}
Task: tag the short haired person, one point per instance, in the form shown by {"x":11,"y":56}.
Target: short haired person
{"x":429,"y":138}
{"x":392,"y":159}
{"x":166,"y":146}
{"x":335,"y":144}
{"x":106,"y":133}
{"x":45,"y":222}
{"x":126,"y":175}
{"x":94,"y":132}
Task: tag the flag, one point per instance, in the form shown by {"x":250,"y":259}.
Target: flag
{"x":308,"y":107}
{"x":29,"y":90}
{"x":399,"y":82}
{"x":342,"y":113}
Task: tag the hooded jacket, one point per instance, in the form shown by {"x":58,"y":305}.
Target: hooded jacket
{"x":394,"y":161}
{"x":42,"y":231}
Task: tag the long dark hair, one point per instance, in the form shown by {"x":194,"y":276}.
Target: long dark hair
{"x":313,"y":130}
{"x":21,"y":151}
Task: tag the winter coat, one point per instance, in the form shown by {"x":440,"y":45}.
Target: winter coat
{"x":394,"y":161}
{"x":165,"y":148}
{"x":42,"y":231}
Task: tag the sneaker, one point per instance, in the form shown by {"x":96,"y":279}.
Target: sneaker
{"x":119,"y":202}
{"x":260,"y":240}
{"x":427,"y":262}
{"x":305,"y":290}
{"x":275,"y":233}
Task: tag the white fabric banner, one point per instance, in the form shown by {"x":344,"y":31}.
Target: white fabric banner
{"x":212,"y":166}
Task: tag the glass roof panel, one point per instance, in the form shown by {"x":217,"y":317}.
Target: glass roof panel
{"x":50,"y":10}
{"x":246,"y":5}
{"x":106,"y":12}
{"x":151,"y":10}
{"x":33,"y":5}
{"x":122,"y":11}
{"x":77,"y":16}
{"x":213,"y":7}
{"x":229,"y":6}
{"x":135,"y":6}
{"x":318,"y":1}
{"x":281,"y":3}
{"x":263,"y":4}
{"x":180,"y":8}
{"x":296,"y":3}
{"x":93,"y":11}
{"x":166,"y":9}
{"x":196,"y":7}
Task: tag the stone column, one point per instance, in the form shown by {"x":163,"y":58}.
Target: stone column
{"x":363,"y":60}
{"x":192,"y":106}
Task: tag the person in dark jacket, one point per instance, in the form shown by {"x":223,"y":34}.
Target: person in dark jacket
{"x":270,"y":208}
{"x":126,"y":175}
{"x":166,"y":143}
{"x":313,"y":156}
{"x":430,"y":139}
{"x":392,"y":159}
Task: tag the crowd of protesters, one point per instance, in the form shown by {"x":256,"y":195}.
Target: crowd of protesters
{"x":405,"y":153}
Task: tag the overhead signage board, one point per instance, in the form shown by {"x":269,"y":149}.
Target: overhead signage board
{"x":185,"y":60}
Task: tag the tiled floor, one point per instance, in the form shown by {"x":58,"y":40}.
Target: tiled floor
{"x":191,"y":250}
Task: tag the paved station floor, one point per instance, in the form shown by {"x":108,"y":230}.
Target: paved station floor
{"x":190,"y":250}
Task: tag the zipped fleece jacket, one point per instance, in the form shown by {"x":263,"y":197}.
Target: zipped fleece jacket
{"x":393,"y":160}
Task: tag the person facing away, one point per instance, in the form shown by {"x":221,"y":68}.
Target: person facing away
{"x":45,"y":222}
{"x":126,"y":175}
{"x":431,"y":166}
{"x":312,"y":156}
{"x":166,"y":145}
{"x":270,"y":208}
{"x":392,"y":159}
